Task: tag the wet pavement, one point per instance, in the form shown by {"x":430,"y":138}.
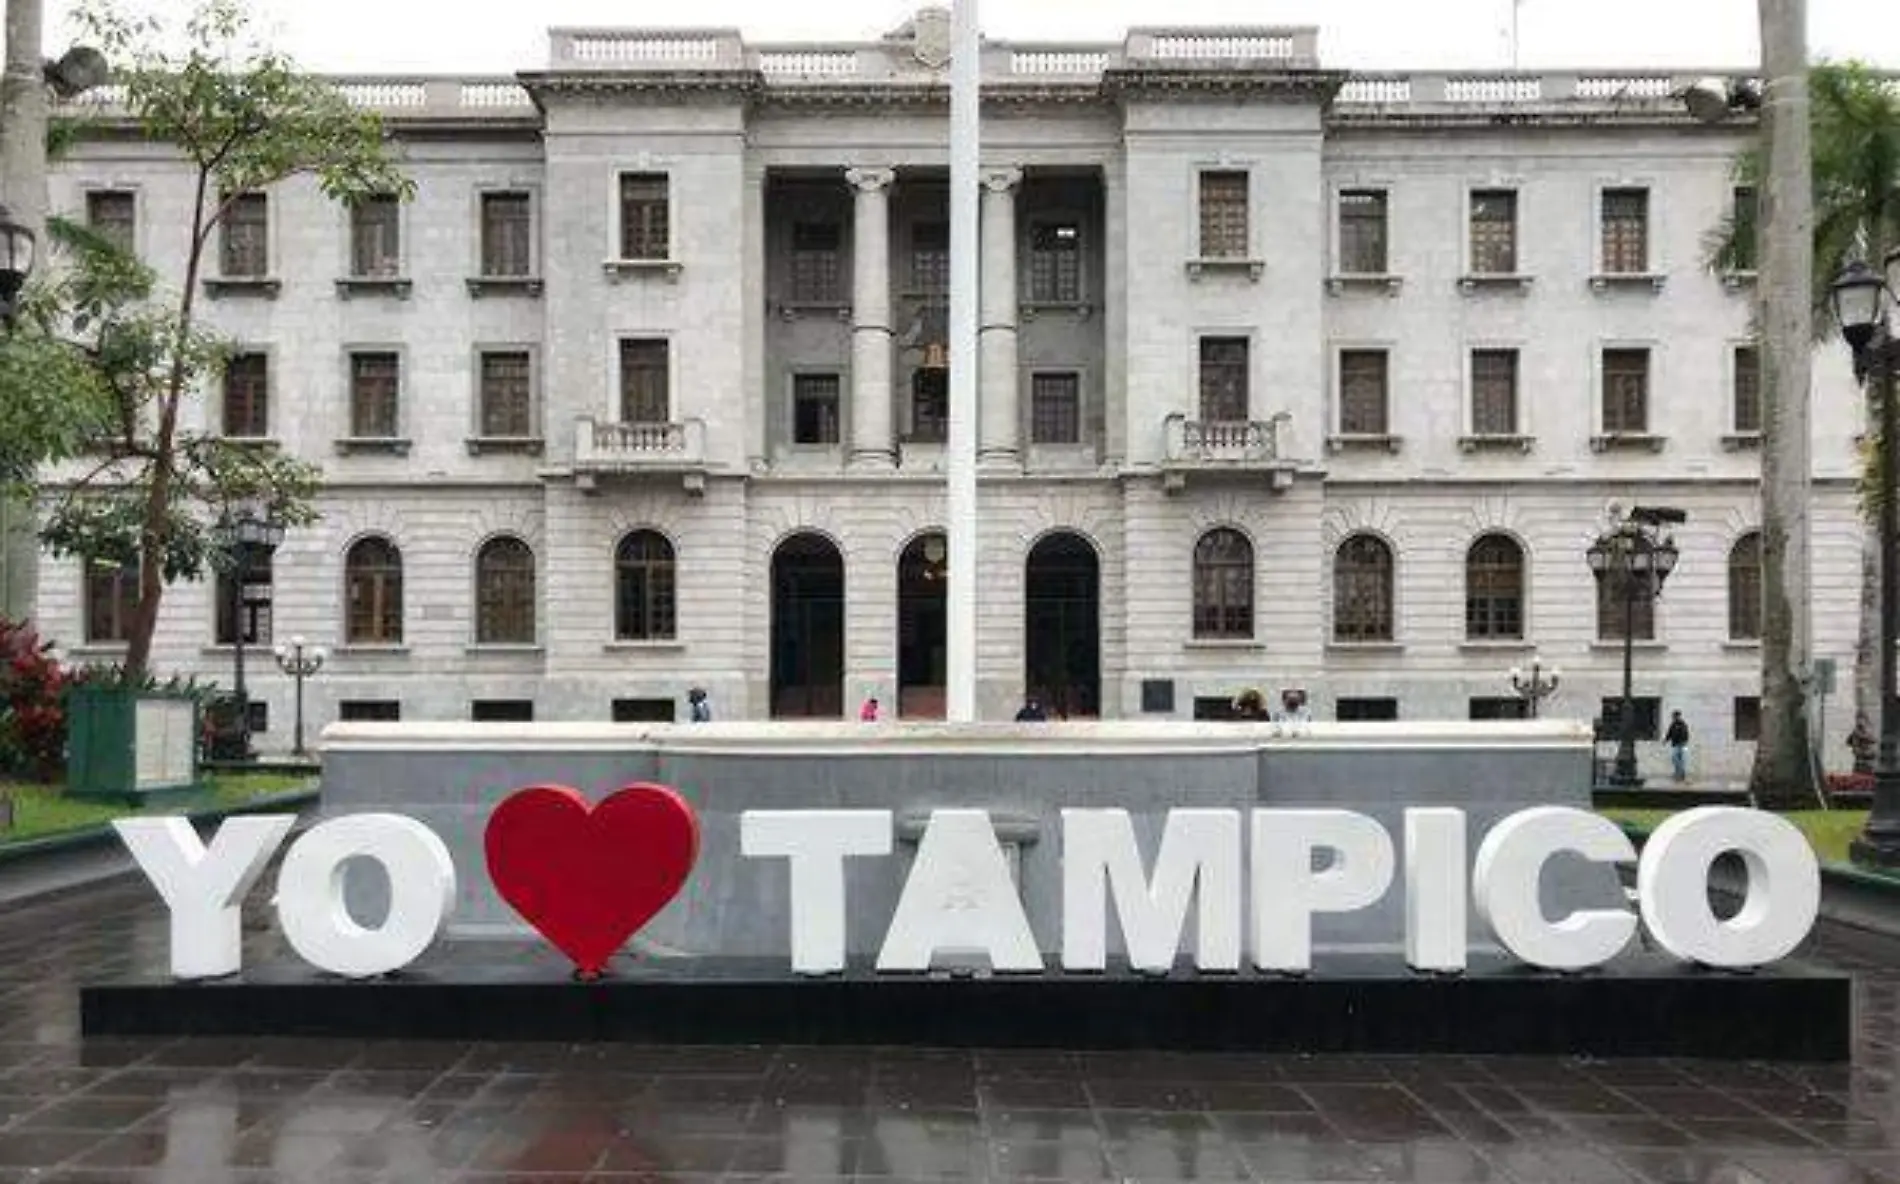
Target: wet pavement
{"x":203,"y":1111}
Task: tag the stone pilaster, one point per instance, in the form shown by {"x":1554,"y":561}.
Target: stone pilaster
{"x":1000,"y":415}
{"x":872,"y":442}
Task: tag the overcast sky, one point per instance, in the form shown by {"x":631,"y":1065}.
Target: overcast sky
{"x":499,"y":36}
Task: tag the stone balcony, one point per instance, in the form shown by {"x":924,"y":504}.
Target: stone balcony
{"x":1198,"y":448}
{"x":608,"y":450}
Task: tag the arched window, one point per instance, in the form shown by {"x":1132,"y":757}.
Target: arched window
{"x":1362,"y":590}
{"x":372,"y":576}
{"x":1744,"y":588}
{"x":1223,"y":585}
{"x":112,"y":594}
{"x":1494,"y":589}
{"x":504,"y":593}
{"x":643,"y":587}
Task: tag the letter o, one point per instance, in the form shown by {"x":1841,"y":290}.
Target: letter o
{"x":310,"y":904}
{"x":1784,"y":886}
{"x":1509,"y":870}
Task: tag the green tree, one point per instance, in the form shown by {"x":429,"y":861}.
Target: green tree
{"x":243,"y":119}
{"x":1855,"y":150}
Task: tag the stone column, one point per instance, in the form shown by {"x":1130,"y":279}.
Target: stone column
{"x":872,"y":443}
{"x":999,"y":417}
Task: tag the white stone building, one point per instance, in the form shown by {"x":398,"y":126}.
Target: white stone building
{"x":1290,"y":378}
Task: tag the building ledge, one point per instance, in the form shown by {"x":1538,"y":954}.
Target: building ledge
{"x":625,"y":268}
{"x":1628,"y":441}
{"x":1607,"y":281}
{"x":504,"y":285}
{"x":1497,"y":443}
{"x":1748,"y":644}
{"x":1740,"y":441}
{"x":1081,"y":310}
{"x":663,"y":645}
{"x":1494,"y":280}
{"x":253,"y":443}
{"x":351,"y":286}
{"x":1365,"y":441}
{"x":504,"y":649}
{"x":530,"y":445}
{"x":393,"y":445}
{"x":1365,"y":647}
{"x":1385,"y":282}
{"x":1219,"y":265}
{"x":1641,"y":647}
{"x":1216,"y":644}
{"x":368,"y":649}
{"x":219,"y":286}
{"x":1496,"y":645}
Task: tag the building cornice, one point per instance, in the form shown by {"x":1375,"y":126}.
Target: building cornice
{"x":1172,"y":82}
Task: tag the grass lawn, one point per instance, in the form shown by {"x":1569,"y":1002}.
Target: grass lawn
{"x":1829,"y":831}
{"x":42,"y":810}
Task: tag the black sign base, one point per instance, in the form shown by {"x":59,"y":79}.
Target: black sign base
{"x":1638,"y":1006}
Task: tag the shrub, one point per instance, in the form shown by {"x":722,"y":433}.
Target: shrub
{"x":1850,"y":783}
{"x":32,"y":708}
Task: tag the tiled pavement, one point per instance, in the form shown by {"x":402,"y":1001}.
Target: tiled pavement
{"x":204,"y":1112}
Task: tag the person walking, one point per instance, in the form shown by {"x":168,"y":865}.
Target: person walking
{"x":1677,"y":737}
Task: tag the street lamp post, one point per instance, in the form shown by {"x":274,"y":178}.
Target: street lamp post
{"x":1861,"y":301}
{"x":1634,"y":557}
{"x":246,"y":534}
{"x":300,"y":662}
{"x":1536,"y":684}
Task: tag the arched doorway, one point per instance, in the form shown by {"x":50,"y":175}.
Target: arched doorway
{"x":1062,"y":626}
{"x":923,"y":590}
{"x":807,"y":628}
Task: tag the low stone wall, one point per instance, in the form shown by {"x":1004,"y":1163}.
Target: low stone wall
{"x":451,"y":776}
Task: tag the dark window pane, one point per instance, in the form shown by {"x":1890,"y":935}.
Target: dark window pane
{"x":1747,"y":367}
{"x":1494,"y":589}
{"x":369,"y":711}
{"x":244,"y":244}
{"x":1625,"y":231}
{"x":113,"y":215}
{"x":507,"y":234}
{"x":644,"y":601}
{"x":1223,"y":585}
{"x":1362,"y":590}
{"x":373,"y":588}
{"x":1494,"y":232}
{"x":112,"y":595}
{"x":247,"y":396}
{"x":507,"y":401}
{"x":375,"y":379}
{"x":1648,"y":711}
{"x":1055,"y":262}
{"x":1747,"y":222}
{"x":817,"y":263}
{"x":815,"y":409}
{"x":1224,"y":215}
{"x":1747,"y":717}
{"x":504,"y":593}
{"x":644,"y":216}
{"x":1224,"y":379}
{"x":930,"y":257}
{"x":1745,"y":588}
{"x":1362,"y":231}
{"x":1362,"y":392}
{"x":252,"y":605}
{"x":1055,"y":409}
{"x":644,"y":396}
{"x":1494,"y":392}
{"x":1611,"y":610}
{"x":1366,"y":710}
{"x":1499,"y":707}
{"x":501,"y":711}
{"x":1625,"y":390}
{"x":376,"y":237}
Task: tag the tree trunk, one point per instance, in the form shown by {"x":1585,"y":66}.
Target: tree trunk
{"x":23,"y":191}
{"x":1783,"y":774}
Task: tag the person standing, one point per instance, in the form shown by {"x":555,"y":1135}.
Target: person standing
{"x":1677,"y":737}
{"x":698,"y":706}
{"x":868,"y":712}
{"x":1031,"y":711}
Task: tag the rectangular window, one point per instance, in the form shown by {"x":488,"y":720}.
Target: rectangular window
{"x":1493,"y":392}
{"x":507,"y":234}
{"x":247,"y":396}
{"x":817,"y":263}
{"x":501,"y":711}
{"x":1224,"y":379}
{"x":375,"y":381}
{"x":1745,"y":217}
{"x":1362,"y":393}
{"x":376,"y":238}
{"x":645,"y":232}
{"x":1626,"y":390}
{"x":1625,"y":231}
{"x":244,"y":251}
{"x":1055,"y":263}
{"x":250,"y":603}
{"x":1494,"y":232}
{"x":259,"y":712}
{"x":112,"y":596}
{"x":644,"y":711}
{"x":644,"y":394}
{"x":1499,"y":707}
{"x":1366,"y":710}
{"x":1611,"y":610}
{"x":112,"y":214}
{"x":1362,"y":232}
{"x":930,"y":406}
{"x":1224,"y":215}
{"x":1648,"y":710}
{"x":1747,"y":717}
{"x":507,"y":397}
{"x":930,"y":257}
{"x":1747,"y":384}
{"x":1213,"y":707}
{"x":815,"y":408}
{"x":1055,"y":408}
{"x":370,"y":710}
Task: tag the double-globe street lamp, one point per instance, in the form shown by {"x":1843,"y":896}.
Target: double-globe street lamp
{"x":1535,"y":684}
{"x":247,"y":536}
{"x":1633,"y":557}
{"x":1862,"y":300}
{"x":299,"y":661}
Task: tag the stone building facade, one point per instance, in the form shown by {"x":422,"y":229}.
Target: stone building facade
{"x":1290,"y":378}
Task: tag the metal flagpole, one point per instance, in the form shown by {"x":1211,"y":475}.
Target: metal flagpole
{"x":965,"y":72}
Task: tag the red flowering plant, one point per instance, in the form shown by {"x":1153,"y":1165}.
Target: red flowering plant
{"x":32,"y":715}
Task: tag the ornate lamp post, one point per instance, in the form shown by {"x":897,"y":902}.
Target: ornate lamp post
{"x":246,"y":534}
{"x":300,"y":662}
{"x":16,"y":261}
{"x":1535,"y":684}
{"x":1635,"y":557}
{"x":1861,"y":302}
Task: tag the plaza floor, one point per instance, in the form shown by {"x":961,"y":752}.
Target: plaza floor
{"x":202,"y":1112}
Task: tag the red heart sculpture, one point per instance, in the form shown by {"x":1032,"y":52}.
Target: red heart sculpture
{"x":588,"y":878}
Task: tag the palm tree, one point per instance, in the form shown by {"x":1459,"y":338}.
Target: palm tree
{"x":1855,"y":150}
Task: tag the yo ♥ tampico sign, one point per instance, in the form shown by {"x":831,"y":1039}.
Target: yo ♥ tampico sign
{"x":588,"y":877}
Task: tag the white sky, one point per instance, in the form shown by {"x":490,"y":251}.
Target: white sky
{"x":501,"y":36}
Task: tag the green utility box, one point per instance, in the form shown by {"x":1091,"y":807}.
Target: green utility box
{"x":130,"y":745}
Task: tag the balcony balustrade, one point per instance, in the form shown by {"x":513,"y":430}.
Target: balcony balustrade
{"x":610,"y":449}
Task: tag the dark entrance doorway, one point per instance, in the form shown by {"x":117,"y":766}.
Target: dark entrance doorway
{"x":923,"y":592}
{"x":807,"y":628}
{"x":1062,"y":626}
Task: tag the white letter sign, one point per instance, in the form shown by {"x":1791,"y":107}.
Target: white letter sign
{"x":1435,"y":889}
{"x":1100,"y":858}
{"x":204,"y":887}
{"x":1509,"y":871}
{"x":1286,"y":889}
{"x":310,"y":904}
{"x":1784,"y":886}
{"x":959,"y":899}
{"x":816,"y":842}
